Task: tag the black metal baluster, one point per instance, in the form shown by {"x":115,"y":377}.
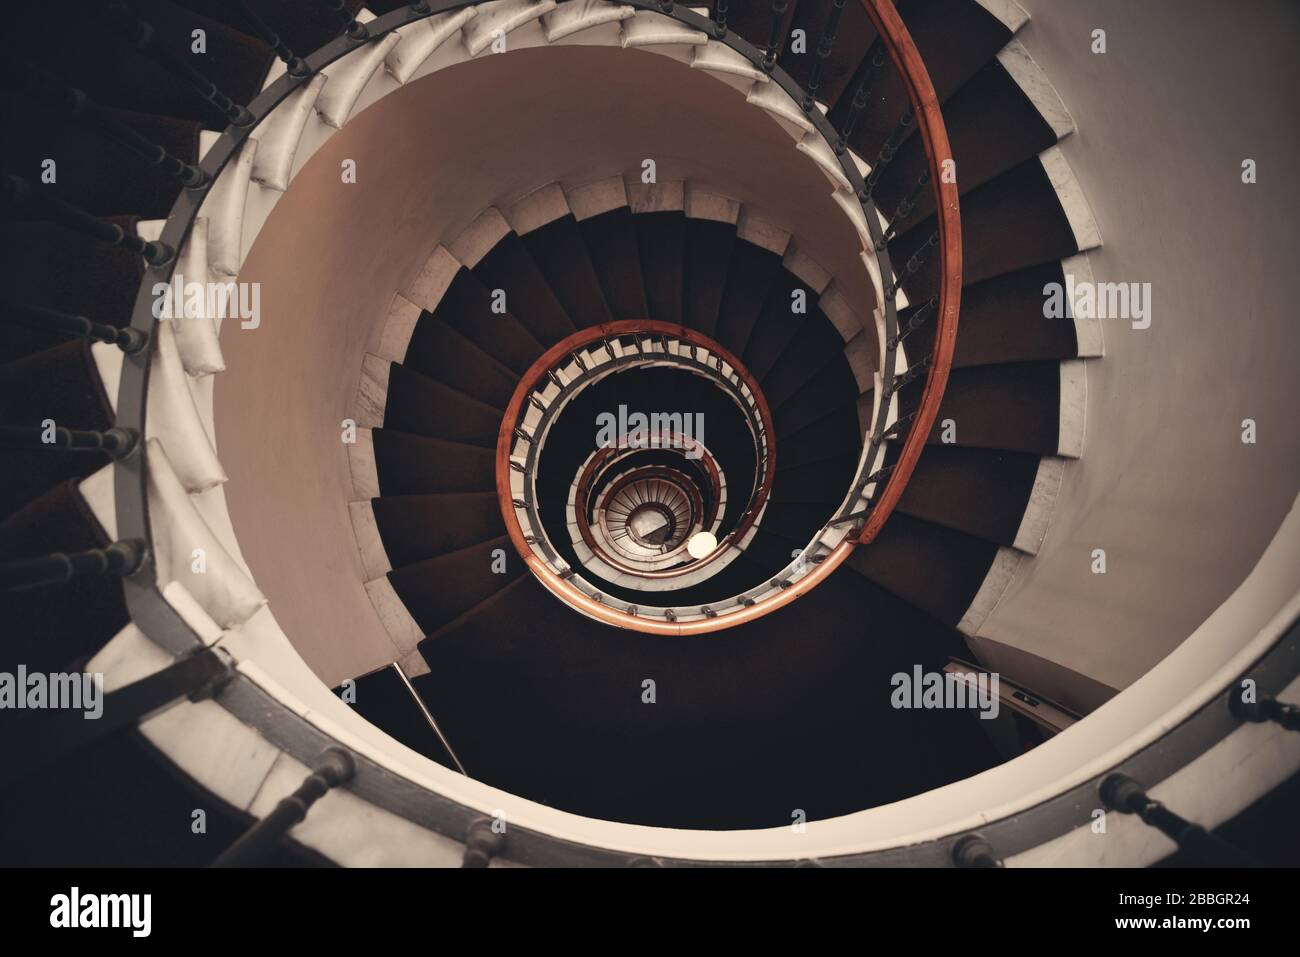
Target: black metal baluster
{"x":23,"y":196}
{"x":779,"y":7}
{"x":482,"y":843}
{"x":861,"y":95}
{"x":719,"y":18}
{"x":905,"y":207}
{"x":1121,"y":793}
{"x":1266,"y":708}
{"x":877,"y":475}
{"x":973,"y":851}
{"x":294,"y":65}
{"x":141,"y":35}
{"x":117,"y":560}
{"x":895,"y":430}
{"x":354,"y":28}
{"x":915,"y":322}
{"x":915,"y":262}
{"x":886,"y":154}
{"x":131,"y":341}
{"x":825,"y":44}
{"x":48,"y":91}
{"x":854,"y":517}
{"x":117,"y":442}
{"x":912,"y":372}
{"x":334,"y":767}
{"x":42,"y":737}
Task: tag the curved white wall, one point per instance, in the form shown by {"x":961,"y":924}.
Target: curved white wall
{"x":431,"y":156}
{"x":1183,"y":508}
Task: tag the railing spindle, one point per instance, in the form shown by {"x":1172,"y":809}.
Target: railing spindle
{"x":117,"y":442}
{"x":719,"y":18}
{"x":141,"y":35}
{"x":779,"y":7}
{"x":914,"y":263}
{"x":334,"y":767}
{"x":886,"y":154}
{"x":131,"y":341}
{"x":294,"y":65}
{"x":915,"y":322}
{"x":117,"y":560}
{"x":1266,"y":708}
{"x":21,"y":193}
{"x":861,"y":96}
{"x":912,"y":372}
{"x":43,"y":88}
{"x":482,"y":843}
{"x":973,"y":851}
{"x":905,"y":207}
{"x":354,"y":28}
{"x":1121,"y":793}
{"x":825,"y":45}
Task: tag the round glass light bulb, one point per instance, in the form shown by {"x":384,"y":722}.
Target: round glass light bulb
{"x":701,"y":544}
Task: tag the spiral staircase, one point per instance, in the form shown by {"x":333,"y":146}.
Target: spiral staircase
{"x":571,"y":680}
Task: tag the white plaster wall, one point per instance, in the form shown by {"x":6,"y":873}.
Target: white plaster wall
{"x":1186,"y":90}
{"x":430,"y":157}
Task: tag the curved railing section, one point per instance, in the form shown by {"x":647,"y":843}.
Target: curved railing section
{"x":553,"y":380}
{"x":942,"y":179}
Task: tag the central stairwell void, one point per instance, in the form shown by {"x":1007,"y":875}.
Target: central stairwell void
{"x":643,"y":403}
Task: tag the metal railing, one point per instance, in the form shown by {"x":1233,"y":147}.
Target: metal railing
{"x":554,"y":379}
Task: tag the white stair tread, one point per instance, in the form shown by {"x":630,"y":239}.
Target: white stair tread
{"x":220,"y":588}
{"x":839,"y":310}
{"x":171,"y":413}
{"x":808,"y":270}
{"x":647,"y":28}
{"x":425,"y":292}
{"x":479,"y":237}
{"x":578,"y":15}
{"x":704,"y":203}
{"x":593,"y":199}
{"x":279,"y":134}
{"x":754,"y":228}
{"x":813,"y":146}
{"x":348,"y":76}
{"x":541,"y":206}
{"x":716,"y":57}
{"x":499,"y":17}
{"x":224,"y":208}
{"x":420,"y":40}
{"x":776,"y":101}
{"x":196,"y":332}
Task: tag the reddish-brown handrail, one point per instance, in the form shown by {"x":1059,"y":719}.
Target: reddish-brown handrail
{"x":564,"y":589}
{"x":934,"y":136}
{"x":592,"y":334}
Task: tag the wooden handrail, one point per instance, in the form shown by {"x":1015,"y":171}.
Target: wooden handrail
{"x":934,"y":136}
{"x":585,"y":337}
{"x":506,"y":439}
